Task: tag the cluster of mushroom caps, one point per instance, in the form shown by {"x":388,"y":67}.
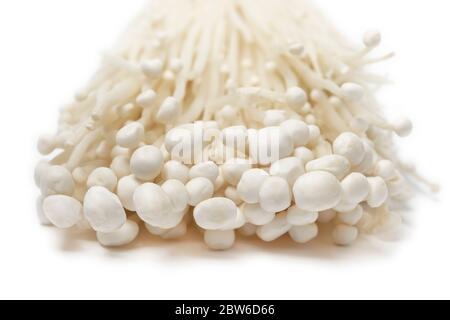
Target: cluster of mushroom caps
{"x":249,"y":117}
{"x":310,"y":181}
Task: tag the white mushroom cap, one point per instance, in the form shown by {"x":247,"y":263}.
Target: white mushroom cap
{"x":323,"y":148}
{"x":64,"y":212}
{"x":257,"y":215}
{"x":121,"y":166}
{"x":228,"y":113}
{"x":288,"y":168}
{"x":121,"y":237}
{"x":296,"y":98}
{"x":360,"y":125}
{"x":275,"y":229}
{"x":119,"y":151}
{"x":155,"y":207}
{"x":274,"y":117}
{"x":57,"y":180}
{"x":147,"y":99}
{"x":125,"y":191}
{"x":372,"y":38}
{"x":368,"y":161}
{"x":215,"y":213}
{"x":352,"y":92}
{"x":176,"y":65}
{"x":296,"y":49}
{"x":220,"y":181}
{"x":402,"y":127}
{"x":233,"y":169}
{"x":177,"y":193}
{"x":128,"y":111}
{"x":299,"y":217}
{"x":46,"y":144}
{"x":131,"y":135}
{"x":397,"y":187}
{"x":304,"y":233}
{"x":355,"y":189}
{"x":207,"y":169}
{"x":269,"y":145}
{"x":385,"y":169}
{"x":103,"y":177}
{"x":304,"y":154}
{"x":297,"y":130}
{"x":103,"y":210}
{"x":199,"y":189}
{"x":234,"y":137}
{"x":155,"y":230}
{"x":335,"y":164}
{"x":317,"y":191}
{"x":175,"y":170}
{"x":43,"y":220}
{"x":314,"y":134}
{"x":275,"y":194}
{"x":146,"y":163}
{"x":40,"y":171}
{"x":232,"y":194}
{"x":80,"y":175}
{"x":350,"y":146}
{"x":152,"y":68}
{"x":249,"y":185}
{"x":378,"y":193}
{"x":237,"y":223}
{"x":180,"y":139}
{"x":169,"y":111}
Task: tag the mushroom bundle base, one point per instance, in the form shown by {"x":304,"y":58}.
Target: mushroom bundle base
{"x":250,"y":117}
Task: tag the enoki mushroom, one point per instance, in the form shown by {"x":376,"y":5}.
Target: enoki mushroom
{"x":249,"y":116}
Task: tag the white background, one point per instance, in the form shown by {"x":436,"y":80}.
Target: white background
{"x":49,"y":48}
